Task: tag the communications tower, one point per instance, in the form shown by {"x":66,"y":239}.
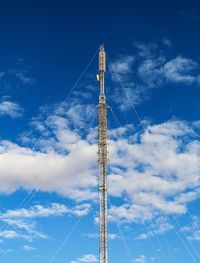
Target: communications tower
{"x":102,"y":159}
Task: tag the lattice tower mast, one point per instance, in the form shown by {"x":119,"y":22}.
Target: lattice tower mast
{"x":102,"y":159}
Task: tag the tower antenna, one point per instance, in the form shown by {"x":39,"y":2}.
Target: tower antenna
{"x":102,"y":159}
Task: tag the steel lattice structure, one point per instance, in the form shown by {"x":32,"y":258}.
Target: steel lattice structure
{"x":102,"y":159}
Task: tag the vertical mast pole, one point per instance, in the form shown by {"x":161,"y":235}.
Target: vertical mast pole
{"x":102,"y":160}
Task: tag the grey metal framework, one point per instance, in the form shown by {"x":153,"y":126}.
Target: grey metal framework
{"x":102,"y":159}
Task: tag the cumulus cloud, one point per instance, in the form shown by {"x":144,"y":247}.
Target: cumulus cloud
{"x":163,"y":162}
{"x":159,"y":166}
{"x":11,"y":109}
{"x":50,"y":163}
{"x":49,"y":171}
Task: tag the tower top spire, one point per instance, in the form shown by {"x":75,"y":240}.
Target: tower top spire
{"x":102,"y":59}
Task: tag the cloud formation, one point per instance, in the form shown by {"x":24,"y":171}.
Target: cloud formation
{"x":152,"y":68}
{"x":12,"y":109}
{"x":180,"y":69}
{"x":54,"y":209}
{"x":192,"y":231}
{"x":140,"y":259}
{"x":163,"y":163}
{"x":156,"y":171}
{"x":88,"y":258}
{"x":20,"y":223}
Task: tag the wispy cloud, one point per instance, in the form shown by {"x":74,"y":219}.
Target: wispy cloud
{"x":2,"y":74}
{"x":54,"y":209}
{"x":146,"y":50}
{"x":111,"y":236}
{"x":192,"y":231}
{"x":28,"y":248}
{"x":190,"y":14}
{"x":22,"y":230}
{"x":9,"y":234}
{"x":12,"y":109}
{"x":140,"y":259}
{"x":158,"y":227}
{"x":22,"y":76}
{"x":153,"y":68}
{"x":181,"y":70}
{"x":24,"y":226}
{"x":151,"y":72}
{"x":88,"y":258}
{"x":123,"y":66}
{"x":6,"y":251}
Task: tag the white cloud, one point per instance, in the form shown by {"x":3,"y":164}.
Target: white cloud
{"x":127,"y":97}
{"x":123,"y":65}
{"x":157,"y":70}
{"x":29,"y":233}
{"x":28,"y":248}
{"x":192,"y":231}
{"x":163,"y":162}
{"x":59,"y":173}
{"x":24,"y":226}
{"x":126,"y":92}
{"x":11,"y":109}
{"x":164,"y":168}
{"x":54,"y":209}
{"x":180,"y":69}
{"x":52,"y":165}
{"x":152,"y":69}
{"x":146,"y":50}
{"x":88,"y":258}
{"x":111,"y":236}
{"x":140,"y":259}
{"x":8,"y":234}
{"x":159,"y":226}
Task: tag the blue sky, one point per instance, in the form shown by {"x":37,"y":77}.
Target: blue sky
{"x":48,"y":130}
